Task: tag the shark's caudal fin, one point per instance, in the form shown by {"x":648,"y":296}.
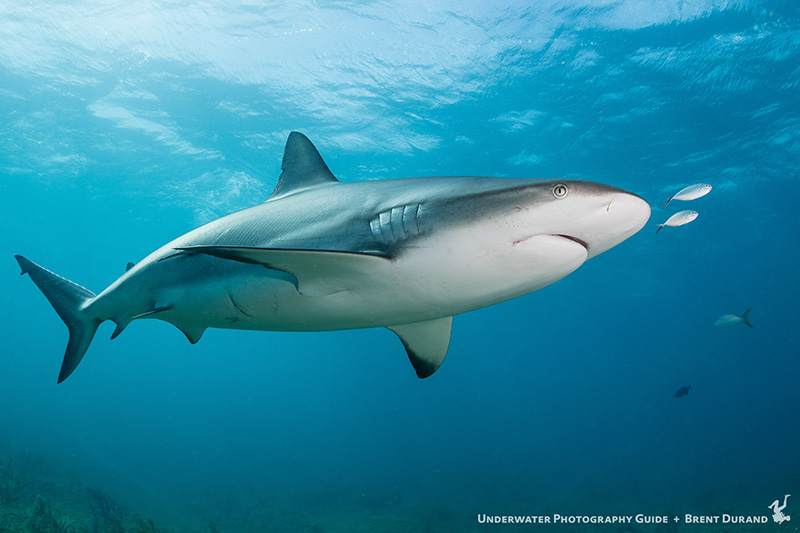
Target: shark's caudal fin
{"x":746,"y":318}
{"x":69,"y":300}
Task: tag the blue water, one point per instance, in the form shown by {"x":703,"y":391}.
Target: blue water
{"x":124,"y":126}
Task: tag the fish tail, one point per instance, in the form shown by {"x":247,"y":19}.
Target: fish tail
{"x":668,"y":201}
{"x":746,"y":318}
{"x":659,"y":227}
{"x":70,"y":301}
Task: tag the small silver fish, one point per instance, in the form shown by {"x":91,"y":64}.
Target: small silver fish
{"x":679,"y":219}
{"x":692,"y":192}
{"x":726,"y":321}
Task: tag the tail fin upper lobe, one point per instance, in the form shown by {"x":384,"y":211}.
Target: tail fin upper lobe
{"x":69,"y":300}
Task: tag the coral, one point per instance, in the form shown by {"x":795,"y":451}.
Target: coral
{"x":10,"y":489}
{"x":140,"y":525}
{"x":113,"y":524}
{"x":99,"y":503}
{"x":64,"y":524}
{"x":37,"y":496}
{"x":10,"y":483}
{"x":103,"y":512}
{"x":40,"y":517}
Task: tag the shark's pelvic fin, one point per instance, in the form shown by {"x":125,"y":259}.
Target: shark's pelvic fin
{"x":302,"y":167}
{"x":193,"y":333}
{"x":318,"y":272}
{"x":69,"y":300}
{"x":426,"y":343}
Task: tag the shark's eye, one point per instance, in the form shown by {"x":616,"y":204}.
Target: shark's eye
{"x":560,"y":190}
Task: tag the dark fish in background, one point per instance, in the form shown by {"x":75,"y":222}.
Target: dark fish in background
{"x":683,"y":391}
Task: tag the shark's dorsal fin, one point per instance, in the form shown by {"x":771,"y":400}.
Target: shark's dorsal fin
{"x":302,"y":167}
{"x":426,"y":343}
{"x":129,"y":266}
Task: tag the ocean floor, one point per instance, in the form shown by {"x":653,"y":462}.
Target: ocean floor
{"x":39,"y":496}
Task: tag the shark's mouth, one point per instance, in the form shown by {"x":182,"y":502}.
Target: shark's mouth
{"x":573,"y":239}
{"x":567,"y":237}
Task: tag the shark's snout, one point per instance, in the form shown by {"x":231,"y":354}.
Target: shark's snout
{"x":623,"y":215}
{"x":633,"y":208}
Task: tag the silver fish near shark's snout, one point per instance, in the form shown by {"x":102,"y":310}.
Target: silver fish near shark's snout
{"x":321,"y":255}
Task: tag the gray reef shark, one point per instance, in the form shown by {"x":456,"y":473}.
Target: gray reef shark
{"x":321,"y":255}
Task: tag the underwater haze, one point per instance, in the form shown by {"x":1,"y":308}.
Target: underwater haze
{"x":127,"y":124}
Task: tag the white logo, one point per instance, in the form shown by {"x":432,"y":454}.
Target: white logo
{"x":777,"y":511}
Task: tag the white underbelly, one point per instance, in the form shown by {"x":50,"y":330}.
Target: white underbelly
{"x":419,"y":285}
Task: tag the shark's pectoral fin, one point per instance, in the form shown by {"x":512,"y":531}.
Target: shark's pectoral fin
{"x":318,"y":272}
{"x":426,"y":343}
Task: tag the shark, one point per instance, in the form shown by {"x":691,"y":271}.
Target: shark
{"x":320,"y":254}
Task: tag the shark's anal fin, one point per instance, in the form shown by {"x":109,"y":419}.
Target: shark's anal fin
{"x":121,"y":325}
{"x":426,"y":343}
{"x":302,"y":167}
{"x":318,"y":272}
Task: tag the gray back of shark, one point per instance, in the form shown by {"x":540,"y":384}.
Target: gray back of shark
{"x":319,"y":255}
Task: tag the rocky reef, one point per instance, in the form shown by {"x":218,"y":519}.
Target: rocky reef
{"x":37,"y":497}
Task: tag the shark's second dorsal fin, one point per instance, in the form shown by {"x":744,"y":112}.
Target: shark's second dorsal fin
{"x":302,"y":167}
